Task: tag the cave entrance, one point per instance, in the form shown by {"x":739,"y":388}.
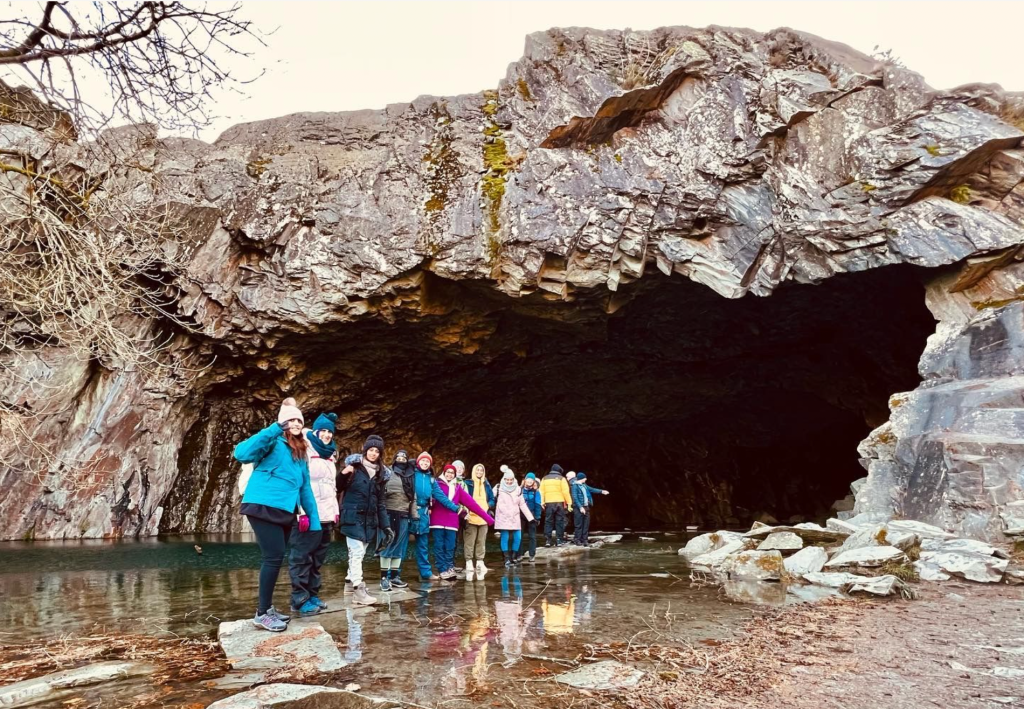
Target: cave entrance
{"x":690,"y":408}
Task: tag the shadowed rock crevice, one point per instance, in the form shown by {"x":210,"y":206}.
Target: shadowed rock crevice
{"x":689,"y":407}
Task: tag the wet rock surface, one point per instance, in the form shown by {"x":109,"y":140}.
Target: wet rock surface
{"x":299,"y":696}
{"x":58,"y":685}
{"x":579,"y":237}
{"x":305,"y":648}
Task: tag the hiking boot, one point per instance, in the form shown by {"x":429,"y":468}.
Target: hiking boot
{"x":316,"y":600}
{"x":397,"y":582}
{"x":278,"y":614}
{"x":470,"y":570}
{"x":270,"y":622}
{"x":480,"y":570}
{"x":310,"y":607}
{"x":362,"y":597}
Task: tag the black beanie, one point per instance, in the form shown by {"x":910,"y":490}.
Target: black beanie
{"x":556,"y":468}
{"x":374,"y":441}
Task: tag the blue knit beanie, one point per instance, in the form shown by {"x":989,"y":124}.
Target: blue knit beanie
{"x":581,"y":475}
{"x":531,"y":476}
{"x":325,"y":422}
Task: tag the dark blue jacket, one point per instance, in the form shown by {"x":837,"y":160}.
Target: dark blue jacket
{"x":487,"y":486}
{"x":363,"y":515}
{"x":532,"y":498}
{"x":583,"y":494}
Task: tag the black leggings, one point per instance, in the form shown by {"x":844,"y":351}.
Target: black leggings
{"x":272,"y":539}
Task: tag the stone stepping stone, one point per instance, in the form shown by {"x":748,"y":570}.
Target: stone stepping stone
{"x":299,"y":696}
{"x":57,"y":685}
{"x":304,"y":647}
{"x":607,"y":675}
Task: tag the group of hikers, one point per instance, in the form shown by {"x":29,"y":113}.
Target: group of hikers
{"x":295,"y":496}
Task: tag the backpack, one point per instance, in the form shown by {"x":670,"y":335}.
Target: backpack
{"x":243,"y":477}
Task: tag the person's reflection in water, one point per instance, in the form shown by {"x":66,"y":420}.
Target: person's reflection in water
{"x":511,"y":619}
{"x":559,"y":618}
{"x":354,"y":650}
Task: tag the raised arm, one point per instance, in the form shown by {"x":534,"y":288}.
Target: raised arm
{"x":256,"y":447}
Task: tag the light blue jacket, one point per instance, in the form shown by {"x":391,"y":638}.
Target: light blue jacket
{"x":277,"y":480}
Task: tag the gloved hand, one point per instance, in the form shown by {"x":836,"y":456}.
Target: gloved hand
{"x":389,"y":536}
{"x":303,"y":523}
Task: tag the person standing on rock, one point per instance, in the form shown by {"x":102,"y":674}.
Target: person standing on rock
{"x":309,"y":548}
{"x":531,"y":494}
{"x":556,"y":499}
{"x":428,"y":494}
{"x":475,"y":535}
{"x":507,"y":508}
{"x":583,"y":506}
{"x":444,"y":523}
{"x":400,"y":501}
{"x":363,"y":513}
{"x":278,"y":484}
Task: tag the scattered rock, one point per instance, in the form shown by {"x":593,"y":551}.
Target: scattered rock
{"x":1014,"y":574}
{"x":834,"y":579}
{"x":754,"y":565}
{"x":928,"y":571}
{"x":838,"y":525}
{"x":299,"y":696}
{"x":973,"y":567}
{"x":879,"y":535}
{"x":705,"y":543}
{"x":1013,"y":518}
{"x":925,"y":531}
{"x":866,"y":557}
{"x":602,"y":676}
{"x":647,"y":539}
{"x":811,"y":593}
{"x":970,"y":546}
{"x":806,"y":561}
{"x":304,"y":648}
{"x":54,"y":686}
{"x":808,"y":531}
{"x":783,"y":541}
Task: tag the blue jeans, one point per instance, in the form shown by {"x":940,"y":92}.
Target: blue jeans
{"x":422,"y":555}
{"x":400,"y":526}
{"x":517,"y":537}
{"x":444,"y":548}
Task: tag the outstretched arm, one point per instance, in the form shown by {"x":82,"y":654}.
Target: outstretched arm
{"x":438,"y":494}
{"x":464,"y":498}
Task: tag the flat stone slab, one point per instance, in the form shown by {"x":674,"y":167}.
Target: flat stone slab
{"x":299,"y":696}
{"x":304,"y":647}
{"x":808,"y":531}
{"x":344,"y":602}
{"x":53,"y":686}
{"x":877,"y":586}
{"x":865,"y":556}
{"x":966,"y":565}
{"x":806,"y":561}
{"x":714,"y":559}
{"x":834,"y":579}
{"x":572,"y":550}
{"x":783,"y":541}
{"x":607,"y":675}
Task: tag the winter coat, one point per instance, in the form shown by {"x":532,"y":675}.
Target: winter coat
{"x":428,"y":492}
{"x":469,"y":484}
{"x":363,"y":515}
{"x":581,"y":497}
{"x":322,"y":477}
{"x":406,"y":471}
{"x":554,"y":488}
{"x":277,"y":480}
{"x":532,"y":498}
{"x":507,"y":509}
{"x":443,"y":518}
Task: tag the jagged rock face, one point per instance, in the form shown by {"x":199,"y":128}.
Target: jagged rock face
{"x":472,"y":274}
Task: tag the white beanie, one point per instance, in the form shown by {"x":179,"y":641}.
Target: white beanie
{"x":289,"y":411}
{"x":459,"y":466}
{"x":507,"y":471}
{"x":570,"y":475}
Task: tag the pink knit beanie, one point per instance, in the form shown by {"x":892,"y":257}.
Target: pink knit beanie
{"x":289,"y":411}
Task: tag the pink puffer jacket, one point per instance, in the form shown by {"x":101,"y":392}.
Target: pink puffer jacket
{"x":322,"y":472}
{"x":507,"y":507}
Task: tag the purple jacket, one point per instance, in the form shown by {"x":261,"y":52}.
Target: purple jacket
{"x":443,"y":518}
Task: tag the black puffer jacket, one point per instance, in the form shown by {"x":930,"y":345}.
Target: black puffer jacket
{"x":363,"y":515}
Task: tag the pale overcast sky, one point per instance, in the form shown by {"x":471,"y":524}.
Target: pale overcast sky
{"x":336,"y":56}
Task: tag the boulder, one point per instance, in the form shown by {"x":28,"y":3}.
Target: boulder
{"x":928,"y":571}
{"x":879,"y":535}
{"x":607,"y":675}
{"x":52,"y":687}
{"x":304,"y":647}
{"x":834,"y":579}
{"x":967,"y":565}
{"x":1014,"y":575}
{"x":806,"y":561}
{"x":714,"y":559}
{"x":1013,"y":518}
{"x":754,"y":565}
{"x":705,"y":543}
{"x":299,"y":696}
{"x":876,"y":585}
{"x":969,"y":546}
{"x":865,"y":556}
{"x":782,"y":541}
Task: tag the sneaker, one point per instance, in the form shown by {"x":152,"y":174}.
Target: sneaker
{"x":547,"y":544}
{"x":362,"y":597}
{"x":316,"y":600}
{"x":428,"y":579}
{"x":385,"y":584}
{"x":516,"y":559}
{"x":448,"y":575}
{"x":397,"y":582}
{"x":531,"y":559}
{"x":307,"y":608}
{"x":270,"y":622}
{"x":480,"y":570}
{"x":348,"y":587}
{"x":279,"y":615}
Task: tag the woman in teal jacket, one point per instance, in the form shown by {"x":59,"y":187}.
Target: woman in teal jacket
{"x":278,"y":485}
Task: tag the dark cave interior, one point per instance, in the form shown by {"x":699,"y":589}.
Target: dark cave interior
{"x":688,"y":407}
